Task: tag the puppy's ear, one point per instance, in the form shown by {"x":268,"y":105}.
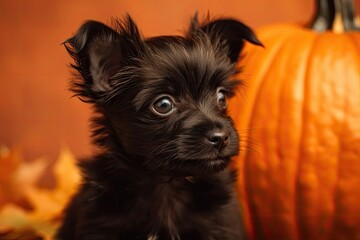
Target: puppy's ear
{"x":227,"y":32}
{"x":99,"y":53}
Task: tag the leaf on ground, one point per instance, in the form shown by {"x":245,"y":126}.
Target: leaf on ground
{"x":47,"y":204}
{"x":16,"y":176}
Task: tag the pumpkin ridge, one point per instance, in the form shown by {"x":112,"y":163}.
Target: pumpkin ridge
{"x":242,"y":181}
{"x":338,"y":170}
{"x":341,"y":228}
{"x":303,"y":111}
{"x":288,"y":99}
{"x":309,"y":179}
{"x":261,"y":233}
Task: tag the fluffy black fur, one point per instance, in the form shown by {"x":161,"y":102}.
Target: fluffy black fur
{"x":161,"y":124}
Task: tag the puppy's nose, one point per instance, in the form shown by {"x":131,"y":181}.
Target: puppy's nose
{"x":219,"y":139}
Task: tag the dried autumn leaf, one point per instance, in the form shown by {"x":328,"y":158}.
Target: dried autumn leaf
{"x":16,"y":176}
{"x":47,"y":204}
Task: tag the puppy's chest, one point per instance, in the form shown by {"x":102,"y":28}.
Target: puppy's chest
{"x":180,"y":209}
{"x":165,"y":205}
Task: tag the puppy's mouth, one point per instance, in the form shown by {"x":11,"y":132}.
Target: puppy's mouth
{"x":218,"y":162}
{"x":213,"y":158}
{"x":211,"y":161}
{"x":205,"y":166}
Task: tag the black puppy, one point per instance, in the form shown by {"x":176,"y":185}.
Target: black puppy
{"x":163,"y":131}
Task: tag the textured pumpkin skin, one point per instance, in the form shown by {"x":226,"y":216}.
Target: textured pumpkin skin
{"x":299,"y":117}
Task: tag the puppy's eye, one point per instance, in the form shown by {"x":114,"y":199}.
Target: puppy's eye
{"x":163,"y":106}
{"x":222,"y":100}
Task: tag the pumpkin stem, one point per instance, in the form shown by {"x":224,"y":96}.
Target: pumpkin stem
{"x":349,"y":15}
{"x":327,"y":12}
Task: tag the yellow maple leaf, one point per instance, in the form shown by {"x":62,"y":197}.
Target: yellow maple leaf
{"x":16,"y":176}
{"x":47,"y":204}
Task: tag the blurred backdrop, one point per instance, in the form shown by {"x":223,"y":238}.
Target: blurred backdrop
{"x":37,"y":113}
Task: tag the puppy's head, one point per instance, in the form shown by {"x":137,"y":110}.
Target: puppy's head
{"x":163,"y":99}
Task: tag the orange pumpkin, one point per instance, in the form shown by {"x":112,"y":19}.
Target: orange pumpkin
{"x":300,"y":157}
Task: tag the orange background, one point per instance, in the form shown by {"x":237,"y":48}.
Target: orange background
{"x":37,"y":112}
